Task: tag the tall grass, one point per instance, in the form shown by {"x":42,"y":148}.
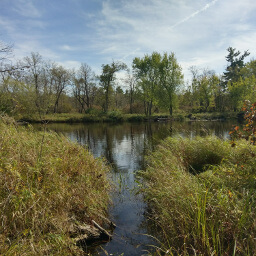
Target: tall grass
{"x":201,"y":193}
{"x":46,"y":184}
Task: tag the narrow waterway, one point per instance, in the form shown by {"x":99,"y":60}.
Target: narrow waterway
{"x":124,"y":146}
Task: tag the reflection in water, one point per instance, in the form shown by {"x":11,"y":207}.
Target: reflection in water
{"x":124,"y":146}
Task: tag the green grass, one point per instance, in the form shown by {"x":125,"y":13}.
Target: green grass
{"x":46,"y":184}
{"x":215,"y":115}
{"x":201,"y":193}
{"x":117,"y":116}
{"x":112,"y":116}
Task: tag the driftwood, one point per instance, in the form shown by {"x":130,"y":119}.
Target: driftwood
{"x":86,"y":234}
{"x":102,"y":230}
{"x":111,"y":225}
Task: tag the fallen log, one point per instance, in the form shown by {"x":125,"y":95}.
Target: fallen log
{"x":85,"y":235}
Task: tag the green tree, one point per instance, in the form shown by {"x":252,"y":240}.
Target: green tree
{"x":204,"y":89}
{"x":171,"y":78}
{"x":249,"y":69}
{"x":243,"y":86}
{"x":159,"y":77}
{"x":108,"y":77}
{"x":244,"y":89}
{"x":147,"y":70}
{"x":249,"y":77}
{"x":236,"y":63}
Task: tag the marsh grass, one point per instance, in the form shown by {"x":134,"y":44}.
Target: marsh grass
{"x":202,"y":196}
{"x":95,"y":115}
{"x":112,"y":116}
{"x":46,"y":184}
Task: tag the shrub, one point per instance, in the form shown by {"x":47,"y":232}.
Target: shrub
{"x":115,"y":116}
{"x":249,"y":128}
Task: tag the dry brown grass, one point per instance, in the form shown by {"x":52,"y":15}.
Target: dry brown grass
{"x":46,"y":182}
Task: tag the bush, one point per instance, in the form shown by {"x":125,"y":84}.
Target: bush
{"x":249,"y":128}
{"x":115,"y":116}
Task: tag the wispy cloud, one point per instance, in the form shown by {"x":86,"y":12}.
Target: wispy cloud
{"x":99,"y":31}
{"x":194,"y":14}
{"x":66,"y":47}
{"x":128,"y":29}
{"x":27,"y":8}
{"x":24,"y":48}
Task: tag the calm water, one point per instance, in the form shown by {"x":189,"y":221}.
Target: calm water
{"x":124,"y":146}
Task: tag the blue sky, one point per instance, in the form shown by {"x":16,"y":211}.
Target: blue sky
{"x":96,"y":32}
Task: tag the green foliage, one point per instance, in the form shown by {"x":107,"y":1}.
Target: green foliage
{"x":46,"y":183}
{"x":146,"y":70}
{"x":210,"y":211}
{"x":171,"y":78}
{"x":203,"y":94}
{"x":159,"y":78}
{"x":115,"y":116}
{"x":34,"y":86}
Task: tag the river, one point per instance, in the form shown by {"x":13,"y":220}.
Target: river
{"x":124,"y":146}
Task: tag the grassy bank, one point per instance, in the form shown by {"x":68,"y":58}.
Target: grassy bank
{"x":46,"y":184}
{"x":215,"y":116}
{"x":201,"y":194}
{"x":83,"y":118}
{"x":116,"y":116}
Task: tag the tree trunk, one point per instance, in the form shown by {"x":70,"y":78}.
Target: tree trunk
{"x":170,"y":109}
{"x":107,"y":99}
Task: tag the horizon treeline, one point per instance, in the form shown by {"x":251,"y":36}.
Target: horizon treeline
{"x":155,"y":84}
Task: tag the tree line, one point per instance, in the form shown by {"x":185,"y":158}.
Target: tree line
{"x":154,"y":84}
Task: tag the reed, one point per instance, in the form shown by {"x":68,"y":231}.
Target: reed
{"x":201,"y":194}
{"x":46,"y":183}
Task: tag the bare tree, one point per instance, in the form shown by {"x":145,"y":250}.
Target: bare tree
{"x":5,"y":52}
{"x":131,"y":81}
{"x":84,"y":87}
{"x":60,"y":78}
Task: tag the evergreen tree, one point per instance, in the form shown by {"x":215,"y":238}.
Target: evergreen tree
{"x":236,"y":63}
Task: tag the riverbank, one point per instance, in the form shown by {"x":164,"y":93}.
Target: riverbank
{"x":116,"y":116}
{"x":201,"y":194}
{"x":51,"y":190}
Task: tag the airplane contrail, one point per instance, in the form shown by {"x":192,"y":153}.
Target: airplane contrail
{"x":195,"y":13}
